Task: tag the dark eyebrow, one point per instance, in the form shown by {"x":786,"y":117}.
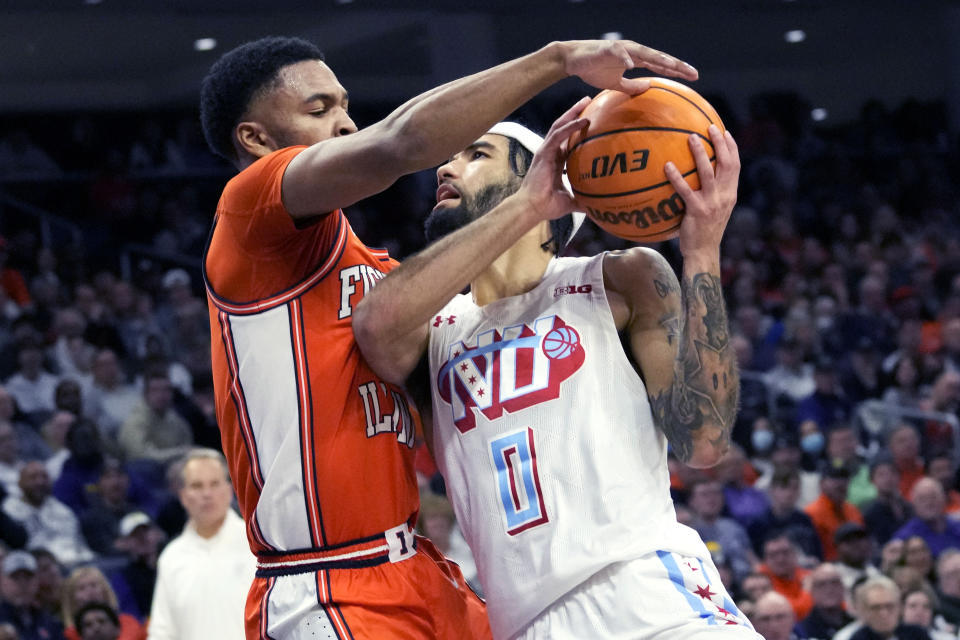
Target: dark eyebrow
{"x":328,"y":97}
{"x":479,"y":144}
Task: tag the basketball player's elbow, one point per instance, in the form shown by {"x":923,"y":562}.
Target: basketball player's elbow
{"x":708,"y":451}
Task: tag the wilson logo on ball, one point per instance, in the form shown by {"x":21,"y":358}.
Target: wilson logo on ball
{"x":671,"y":208}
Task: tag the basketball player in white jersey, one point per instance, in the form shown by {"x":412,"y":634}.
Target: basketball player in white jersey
{"x":557,"y":384}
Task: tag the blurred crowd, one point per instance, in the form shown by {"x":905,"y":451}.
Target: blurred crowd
{"x":835,"y":515}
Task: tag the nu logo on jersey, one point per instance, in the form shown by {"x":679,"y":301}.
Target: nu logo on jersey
{"x":519,"y":368}
{"x":349,"y":277}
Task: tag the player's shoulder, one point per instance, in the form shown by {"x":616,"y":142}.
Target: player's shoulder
{"x":248,"y":185}
{"x":624,"y":266}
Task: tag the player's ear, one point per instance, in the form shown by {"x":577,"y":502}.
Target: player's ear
{"x":252,"y":138}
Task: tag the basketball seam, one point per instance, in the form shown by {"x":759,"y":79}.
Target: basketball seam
{"x":680,"y":95}
{"x":673,"y":129}
{"x":656,"y":233}
{"x":627,"y":193}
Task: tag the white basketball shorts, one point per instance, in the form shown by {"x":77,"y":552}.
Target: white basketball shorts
{"x":659,"y":596}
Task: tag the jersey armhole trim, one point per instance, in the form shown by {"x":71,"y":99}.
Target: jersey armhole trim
{"x":257,"y":306}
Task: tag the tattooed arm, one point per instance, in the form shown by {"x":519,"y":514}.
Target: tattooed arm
{"x":678,"y":330}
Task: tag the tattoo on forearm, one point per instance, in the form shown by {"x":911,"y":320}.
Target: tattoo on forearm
{"x":706,"y":385}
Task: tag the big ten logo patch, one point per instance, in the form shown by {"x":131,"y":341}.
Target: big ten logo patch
{"x":508,"y":371}
{"x":387,"y":411}
{"x":354,"y":281}
{"x":571,"y":289}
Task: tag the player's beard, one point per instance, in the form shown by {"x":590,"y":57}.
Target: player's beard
{"x":443,"y":221}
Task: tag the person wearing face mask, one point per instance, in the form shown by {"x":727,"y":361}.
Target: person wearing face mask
{"x":812,"y":441}
{"x":831,"y":509}
{"x":762,"y":438}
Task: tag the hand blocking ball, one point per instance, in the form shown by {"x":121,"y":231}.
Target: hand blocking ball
{"x":616,"y":164}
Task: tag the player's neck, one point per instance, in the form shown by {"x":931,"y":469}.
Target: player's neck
{"x":518,"y":270}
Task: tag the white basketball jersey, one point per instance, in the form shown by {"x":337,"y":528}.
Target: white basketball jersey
{"x":544,"y":435}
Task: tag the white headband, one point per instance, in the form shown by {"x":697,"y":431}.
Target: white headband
{"x":532,"y":143}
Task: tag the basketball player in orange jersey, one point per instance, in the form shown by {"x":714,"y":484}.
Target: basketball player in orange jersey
{"x":555,"y":386}
{"x":320,"y":447}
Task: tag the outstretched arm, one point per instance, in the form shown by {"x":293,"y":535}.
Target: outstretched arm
{"x":428,"y":129}
{"x":678,"y":329}
{"x":390,"y":323}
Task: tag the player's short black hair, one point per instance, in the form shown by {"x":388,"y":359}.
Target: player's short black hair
{"x":560,"y":229}
{"x":95,"y":606}
{"x":237,"y":77}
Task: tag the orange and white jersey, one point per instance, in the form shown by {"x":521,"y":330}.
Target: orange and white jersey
{"x":320,"y":449}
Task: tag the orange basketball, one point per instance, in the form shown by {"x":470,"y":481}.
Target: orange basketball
{"x":616,"y":164}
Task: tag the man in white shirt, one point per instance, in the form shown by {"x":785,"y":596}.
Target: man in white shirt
{"x":49,"y":523}
{"x":204,"y":574}
{"x":32,"y":385}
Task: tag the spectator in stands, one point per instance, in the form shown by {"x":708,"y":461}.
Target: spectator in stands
{"x":782,"y":514}
{"x":909,"y":337}
{"x":183,"y":318}
{"x":791,"y":378}
{"x":8,"y":632}
{"x":18,"y":584}
{"x":828,"y":614}
{"x":878,"y":609}
{"x":49,"y":523}
{"x":68,"y":395}
{"x":10,"y":461}
{"x":940,"y":466}
{"x":744,"y":503}
{"x":111,"y":399}
{"x":49,"y":582}
{"x":753,"y":586}
{"x":54,"y":431}
{"x":930,"y":521}
{"x":786,"y":454}
{"x":891,"y":555}
{"x":786,"y":576}
{"x":917,"y":556}
{"x":831,"y":509}
{"x":154,"y":431}
{"x":918,"y":606}
{"x":751,"y":323}
{"x":860,"y":376}
{"x":85,"y":586}
{"x":889,"y":510}
{"x":842,"y":445}
{"x":773,"y":617}
{"x":826,"y":405}
{"x":905,"y":385}
{"x":203,"y":575}
{"x":100,"y":522}
{"x":903,"y":442}
{"x":81,"y":469}
{"x":854,"y":551}
{"x":706,"y":501}
{"x":29,"y":444}
{"x":871,"y":319}
{"x":950,"y":352}
{"x":71,"y":354}
{"x":96,"y":621}
{"x":32,"y":386}
{"x":139,"y":540}
{"x":948,"y":587}
{"x":943,"y":397}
